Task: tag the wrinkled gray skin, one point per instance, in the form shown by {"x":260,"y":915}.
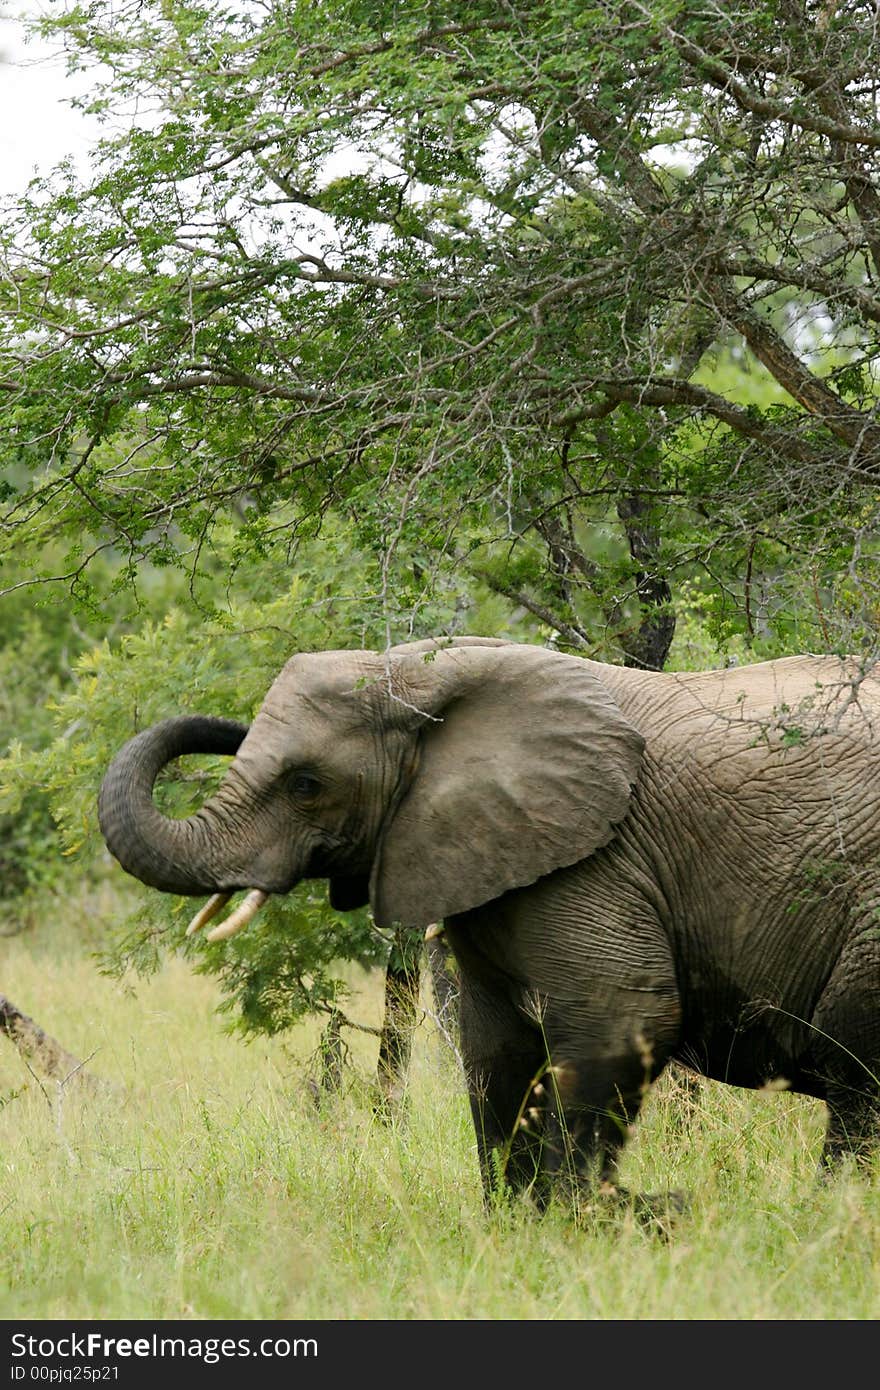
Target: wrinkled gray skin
{"x":633,"y":867}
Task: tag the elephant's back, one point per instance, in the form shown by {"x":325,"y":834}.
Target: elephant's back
{"x":817,"y":686}
{"x":783,"y":703}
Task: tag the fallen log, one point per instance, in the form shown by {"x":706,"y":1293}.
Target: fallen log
{"x":41,"y":1053}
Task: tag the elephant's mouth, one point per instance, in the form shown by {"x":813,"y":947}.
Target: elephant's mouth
{"x":237,"y":919}
{"x":320,"y":865}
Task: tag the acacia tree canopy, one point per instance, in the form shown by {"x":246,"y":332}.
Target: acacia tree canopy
{"x":583,"y":299}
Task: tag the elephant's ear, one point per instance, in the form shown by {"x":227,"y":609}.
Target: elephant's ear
{"x":526,"y":764}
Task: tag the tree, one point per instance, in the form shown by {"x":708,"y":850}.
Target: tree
{"x":577,"y":303}
{"x":461,"y":272}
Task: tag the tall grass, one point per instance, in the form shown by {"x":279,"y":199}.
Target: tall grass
{"x":209,"y":1184}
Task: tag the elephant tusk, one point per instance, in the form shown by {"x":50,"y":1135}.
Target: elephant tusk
{"x":434,"y":930}
{"x":244,"y":913}
{"x":214,"y":905}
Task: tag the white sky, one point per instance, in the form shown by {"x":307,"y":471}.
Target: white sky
{"x":37,"y":126}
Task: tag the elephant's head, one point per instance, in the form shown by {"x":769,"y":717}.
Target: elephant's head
{"x":428,"y":780}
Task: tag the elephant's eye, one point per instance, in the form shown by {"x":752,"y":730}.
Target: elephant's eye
{"x":304,"y":784}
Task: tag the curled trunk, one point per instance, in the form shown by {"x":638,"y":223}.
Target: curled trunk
{"x":172,"y":855}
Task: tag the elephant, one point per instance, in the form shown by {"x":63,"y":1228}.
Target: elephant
{"x":631,"y":867}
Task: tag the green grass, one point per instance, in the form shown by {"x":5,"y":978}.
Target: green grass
{"x":210,"y":1186}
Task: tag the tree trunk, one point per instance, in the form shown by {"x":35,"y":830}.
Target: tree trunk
{"x":331,"y":1054}
{"x":445,"y":982}
{"x":648,"y":647}
{"x":402,"y":978}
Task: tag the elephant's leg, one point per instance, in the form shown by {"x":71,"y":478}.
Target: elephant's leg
{"x":585,"y":1002}
{"x":605,"y":1057}
{"x":504,"y":1058}
{"x":845,"y":1051}
{"x":853,"y":1126}
{"x":593,"y":1102}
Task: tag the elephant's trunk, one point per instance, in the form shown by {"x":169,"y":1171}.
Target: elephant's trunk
{"x":173,"y":855}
